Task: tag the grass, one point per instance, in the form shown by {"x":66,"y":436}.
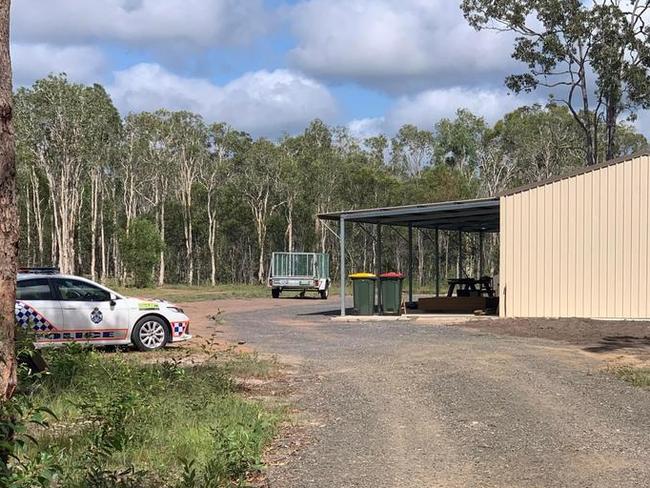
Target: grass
{"x":185,"y":293}
{"x":635,"y":376}
{"x":122,"y":422}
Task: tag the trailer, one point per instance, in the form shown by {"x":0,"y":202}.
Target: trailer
{"x":300,"y":271}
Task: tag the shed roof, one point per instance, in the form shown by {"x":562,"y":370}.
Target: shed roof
{"x":577,"y":172}
{"x":466,"y":215}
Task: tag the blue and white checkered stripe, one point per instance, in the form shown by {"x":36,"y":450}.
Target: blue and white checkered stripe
{"x":179,"y":328}
{"x":26,"y":316}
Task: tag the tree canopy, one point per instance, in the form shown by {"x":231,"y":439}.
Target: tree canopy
{"x":221,"y":200}
{"x":592,"y":57}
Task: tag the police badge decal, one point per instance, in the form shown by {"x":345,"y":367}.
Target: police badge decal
{"x":96,"y":316}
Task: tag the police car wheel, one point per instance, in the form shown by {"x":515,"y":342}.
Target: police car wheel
{"x":150,"y":333}
{"x":324,"y":293}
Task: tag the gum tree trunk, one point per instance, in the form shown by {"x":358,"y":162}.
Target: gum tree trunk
{"x":8,"y":215}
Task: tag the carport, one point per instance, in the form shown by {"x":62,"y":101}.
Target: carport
{"x":462,"y":216}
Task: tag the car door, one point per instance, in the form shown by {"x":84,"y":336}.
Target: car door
{"x":38,"y":309}
{"x":89,"y":313}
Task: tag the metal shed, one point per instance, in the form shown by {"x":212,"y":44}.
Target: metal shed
{"x":480,"y":215}
{"x":578,"y":246}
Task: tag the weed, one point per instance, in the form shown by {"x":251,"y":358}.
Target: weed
{"x":635,"y":376}
{"x":120,"y":422}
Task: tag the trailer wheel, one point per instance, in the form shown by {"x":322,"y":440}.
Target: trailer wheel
{"x":324,"y":293}
{"x":275,"y":292}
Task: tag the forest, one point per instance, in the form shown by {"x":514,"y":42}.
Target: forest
{"x":167,"y":197}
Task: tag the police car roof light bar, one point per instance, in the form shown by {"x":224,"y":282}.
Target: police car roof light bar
{"x":41,"y":270}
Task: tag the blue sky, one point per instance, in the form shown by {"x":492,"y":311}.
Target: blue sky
{"x":271,"y":66}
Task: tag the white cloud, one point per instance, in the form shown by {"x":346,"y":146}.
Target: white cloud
{"x":31,"y":61}
{"x":261,"y":102}
{"x":367,"y":127}
{"x":428,"y":107}
{"x":202,"y":22}
{"x":396,"y":45}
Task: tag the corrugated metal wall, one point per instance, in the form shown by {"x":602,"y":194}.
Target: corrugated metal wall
{"x":578,"y":247}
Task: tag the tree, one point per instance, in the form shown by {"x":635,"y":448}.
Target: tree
{"x":8,"y":215}
{"x":594,"y":58}
{"x":258,"y":179}
{"x":412,"y":150}
{"x":62,"y":126}
{"x":103,"y":135}
{"x":141,"y":248}
{"x":215,"y":171}
{"x":457,"y":141}
{"x":189,"y":146}
{"x":542,"y":142}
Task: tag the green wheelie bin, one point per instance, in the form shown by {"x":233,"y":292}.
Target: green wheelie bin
{"x":391,"y":292}
{"x":363,"y":291}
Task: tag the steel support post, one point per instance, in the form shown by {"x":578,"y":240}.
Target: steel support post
{"x":410,"y":264}
{"x":480,"y":257}
{"x":460,"y":254}
{"x":342,"y":266}
{"x":378,"y":269}
{"x":437,"y":263}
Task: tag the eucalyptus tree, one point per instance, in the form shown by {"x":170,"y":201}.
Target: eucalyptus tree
{"x":258,"y":180}
{"x":103,"y":134}
{"x":144,"y":170}
{"x":59,"y":124}
{"x":319,"y":160}
{"x":458,"y":140}
{"x":9,"y":215}
{"x":225,"y":144}
{"x":594,"y":57}
{"x":542,"y":141}
{"x":189,"y":149}
{"x":412,"y":150}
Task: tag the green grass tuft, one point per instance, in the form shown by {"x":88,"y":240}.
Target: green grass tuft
{"x":635,"y":376}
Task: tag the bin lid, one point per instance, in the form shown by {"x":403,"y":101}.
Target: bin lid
{"x":368,"y":276}
{"x":392,"y":274}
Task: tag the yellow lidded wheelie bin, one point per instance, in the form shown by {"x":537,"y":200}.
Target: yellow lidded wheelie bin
{"x":363,"y":291}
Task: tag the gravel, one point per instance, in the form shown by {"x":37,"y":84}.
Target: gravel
{"x":401,"y":404}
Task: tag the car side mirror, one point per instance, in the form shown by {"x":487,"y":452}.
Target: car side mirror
{"x":113,"y":299}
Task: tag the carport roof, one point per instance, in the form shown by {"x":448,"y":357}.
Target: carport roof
{"x":465,"y":215}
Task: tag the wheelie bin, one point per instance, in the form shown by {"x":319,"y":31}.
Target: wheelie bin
{"x":391,"y":293}
{"x":363,"y":291}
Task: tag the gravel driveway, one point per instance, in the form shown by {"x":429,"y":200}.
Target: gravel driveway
{"x":400,"y":404}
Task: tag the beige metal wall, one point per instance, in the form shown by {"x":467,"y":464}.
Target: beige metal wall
{"x":578,"y":247}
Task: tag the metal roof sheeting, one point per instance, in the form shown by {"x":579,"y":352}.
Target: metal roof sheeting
{"x":466,"y":215}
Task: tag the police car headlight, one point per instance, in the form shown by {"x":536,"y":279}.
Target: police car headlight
{"x":176,"y":309}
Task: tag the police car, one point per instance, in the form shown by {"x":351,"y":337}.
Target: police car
{"x":61,"y":309}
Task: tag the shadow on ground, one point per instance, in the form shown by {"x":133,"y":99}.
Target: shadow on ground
{"x":327,"y":313}
{"x":616,"y":343}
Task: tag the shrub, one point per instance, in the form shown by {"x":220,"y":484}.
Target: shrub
{"x":123,"y":423}
{"x":141,"y":248}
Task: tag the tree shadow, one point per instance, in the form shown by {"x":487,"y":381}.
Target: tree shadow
{"x":615,"y":343}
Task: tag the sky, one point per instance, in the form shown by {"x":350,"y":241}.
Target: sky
{"x":270,"y":66}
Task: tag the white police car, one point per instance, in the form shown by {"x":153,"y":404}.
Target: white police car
{"x":62,"y":309}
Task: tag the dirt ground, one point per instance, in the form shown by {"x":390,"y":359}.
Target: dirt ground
{"x":623,"y":339}
{"x":488,"y":403}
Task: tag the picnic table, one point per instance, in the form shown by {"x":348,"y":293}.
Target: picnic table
{"x":471,"y":287}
